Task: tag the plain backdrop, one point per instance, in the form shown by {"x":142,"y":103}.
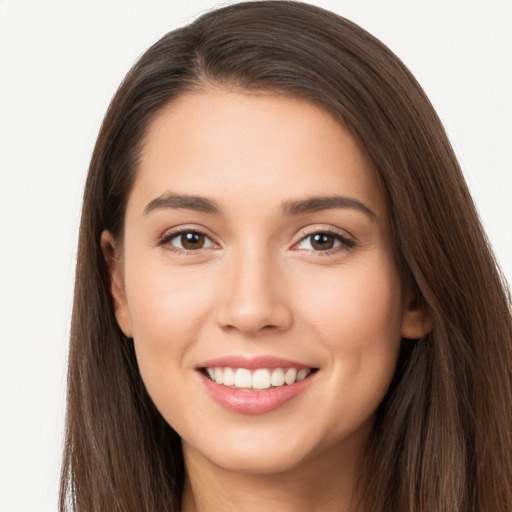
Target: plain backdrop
{"x":61,"y":62}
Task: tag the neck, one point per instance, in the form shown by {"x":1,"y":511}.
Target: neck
{"x":314,"y":486}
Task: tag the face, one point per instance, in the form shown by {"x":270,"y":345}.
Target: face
{"x":257,"y":280}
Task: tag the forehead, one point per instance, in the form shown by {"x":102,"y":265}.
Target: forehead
{"x":243,"y":147}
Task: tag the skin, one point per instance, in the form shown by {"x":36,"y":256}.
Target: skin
{"x":259,"y":287}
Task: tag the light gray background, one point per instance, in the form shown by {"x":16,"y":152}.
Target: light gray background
{"x":60,"y":63}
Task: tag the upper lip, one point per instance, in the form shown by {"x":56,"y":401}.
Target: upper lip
{"x":252,"y":362}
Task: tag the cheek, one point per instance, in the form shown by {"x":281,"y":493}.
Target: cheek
{"x":165,"y":301}
{"x":355,"y":321}
{"x":168,"y":308}
{"x":356,"y":313}
{"x":356,"y":300}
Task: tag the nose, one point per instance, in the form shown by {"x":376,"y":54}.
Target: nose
{"x":255,"y":298}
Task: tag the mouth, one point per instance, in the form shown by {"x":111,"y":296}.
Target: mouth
{"x":256,"y":379}
{"x":255,"y":384}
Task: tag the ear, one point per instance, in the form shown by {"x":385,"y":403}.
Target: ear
{"x":112,"y":259}
{"x":416,"y":319}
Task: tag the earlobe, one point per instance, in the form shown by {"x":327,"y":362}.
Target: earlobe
{"x":112,"y":259}
{"x":416,"y":320}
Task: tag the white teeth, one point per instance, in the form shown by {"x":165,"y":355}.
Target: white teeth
{"x":243,"y":378}
{"x":229,"y":377}
{"x":290,"y":376}
{"x":302,"y":374}
{"x":259,"y":379}
{"x":277,"y":378}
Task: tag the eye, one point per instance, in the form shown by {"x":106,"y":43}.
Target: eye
{"x":187,"y":240}
{"x":324,"y":241}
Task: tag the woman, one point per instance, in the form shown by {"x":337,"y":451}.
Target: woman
{"x":284,"y":297}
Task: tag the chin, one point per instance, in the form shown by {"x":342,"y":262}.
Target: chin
{"x":269,"y":452}
{"x":261,"y":463}
{"x":250,"y":452}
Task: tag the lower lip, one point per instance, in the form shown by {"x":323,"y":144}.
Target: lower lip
{"x":254,"y":402}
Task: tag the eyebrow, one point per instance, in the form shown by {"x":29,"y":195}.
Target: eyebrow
{"x":315,"y":204}
{"x":205,"y":205}
{"x":186,"y":202}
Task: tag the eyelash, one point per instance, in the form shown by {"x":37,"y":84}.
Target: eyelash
{"x":166,"y":239}
{"x":345,"y":242}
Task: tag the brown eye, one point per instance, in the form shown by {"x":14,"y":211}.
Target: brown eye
{"x":187,"y":241}
{"x":192,"y":240}
{"x":322,"y":241}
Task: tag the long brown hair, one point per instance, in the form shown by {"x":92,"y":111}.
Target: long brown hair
{"x":443,"y":436}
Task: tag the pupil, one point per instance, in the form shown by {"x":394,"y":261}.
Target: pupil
{"x":322,"y":241}
{"x":192,"y":240}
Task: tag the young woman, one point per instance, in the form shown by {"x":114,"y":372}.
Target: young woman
{"x":284,"y":297}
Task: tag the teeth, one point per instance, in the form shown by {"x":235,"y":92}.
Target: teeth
{"x":302,"y":374}
{"x":229,"y":377}
{"x":262,"y":378}
{"x":277,"y":378}
{"x":243,"y":378}
{"x":290,"y":376}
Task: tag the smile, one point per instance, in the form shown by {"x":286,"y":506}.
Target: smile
{"x":255,"y":384}
{"x":258,"y":379}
